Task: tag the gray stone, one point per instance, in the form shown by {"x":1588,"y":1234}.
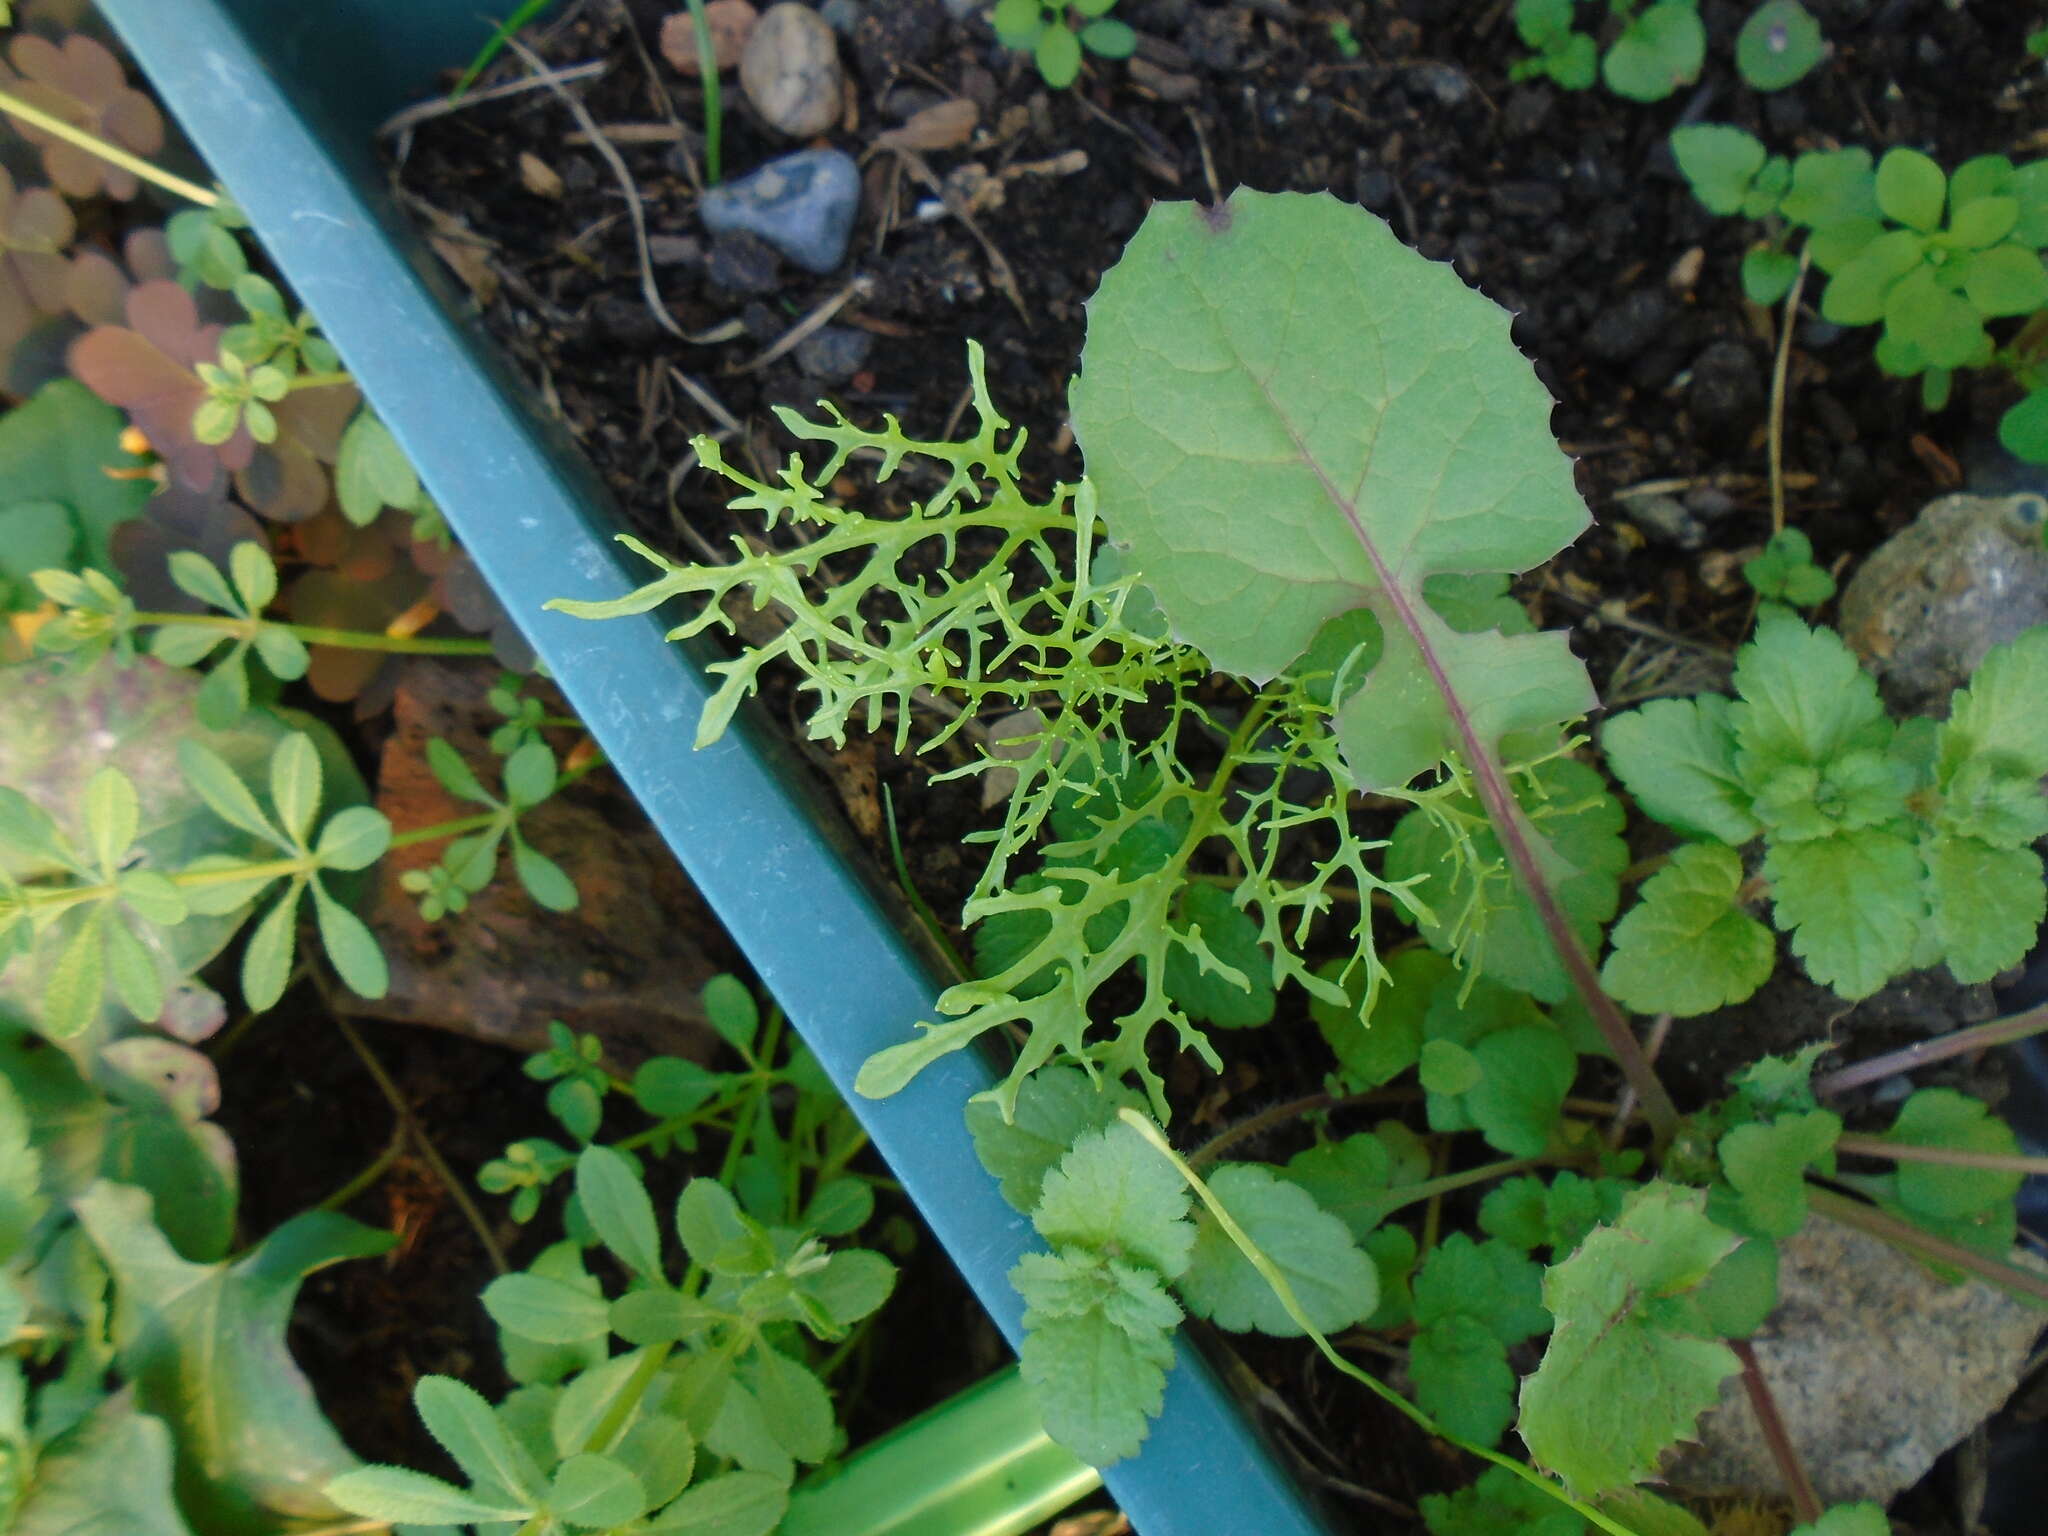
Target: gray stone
{"x":743,"y":263}
{"x":1876,"y":1366}
{"x":802,"y":204}
{"x":1969,"y":573}
{"x":833,"y":353}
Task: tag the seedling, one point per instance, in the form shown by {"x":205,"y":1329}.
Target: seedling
{"x":1661,"y":47}
{"x":1047,"y":29}
{"x":1934,"y":258}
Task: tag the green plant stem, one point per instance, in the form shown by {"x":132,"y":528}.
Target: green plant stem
{"x":495,"y":44}
{"x":113,"y":154}
{"x":714,"y":111}
{"x":346,"y":639}
{"x":320,"y":380}
{"x":1292,"y":1306}
{"x":1956,"y":1157}
{"x":923,"y":908}
{"x":444,"y":829}
{"x":1772,"y":1425}
{"x":2018,"y":1026}
{"x":628,"y":1400}
{"x":1921,"y":1244}
{"x":370,"y":1175}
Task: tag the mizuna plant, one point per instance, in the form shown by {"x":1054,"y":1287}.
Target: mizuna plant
{"x":1281,"y":596}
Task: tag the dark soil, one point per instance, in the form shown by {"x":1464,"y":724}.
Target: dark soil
{"x":1566,"y":209}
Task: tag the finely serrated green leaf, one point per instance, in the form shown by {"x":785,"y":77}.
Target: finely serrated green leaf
{"x":1527,"y":1213}
{"x":1114,"y":1193}
{"x":1055,"y":1106}
{"x":594,"y":1490}
{"x":1854,"y":904}
{"x":464,"y":1426}
{"x":1335,"y":1284}
{"x":112,"y":814}
{"x":1686,"y":947}
{"x":295,"y":785}
{"x":1942,"y":1117}
{"x":1524,"y":1076}
{"x":1499,"y":1504}
{"x":254,"y":574}
{"x":1999,"y":716}
{"x":851,"y":1284}
{"x":1766,"y":1163}
{"x":798,"y":1409}
{"x":1462,"y":1378}
{"x":1097,"y":1386}
{"x":735,"y":1504}
{"x":616,"y":1205}
{"x":1987,"y":904}
{"x":199,"y":577}
{"x":546,"y":1310}
{"x":1676,"y":757}
{"x":1804,"y":699}
{"x":1628,"y":1370}
{"x":716,"y":1234}
{"x":1985,"y":800}
{"x":223,"y":791}
{"x":353,"y":839}
{"x":402,"y":1496}
{"x":1489,"y":1282}
{"x":1245,"y":315}
{"x":267,"y":962}
{"x":1350,"y":1179}
{"x":75,"y":984}
{"x":133,"y":970}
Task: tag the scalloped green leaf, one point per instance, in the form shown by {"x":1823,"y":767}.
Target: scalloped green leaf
{"x":1349,"y":419}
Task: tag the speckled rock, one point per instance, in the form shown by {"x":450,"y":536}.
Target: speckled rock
{"x":1969,"y":573}
{"x":802,"y":204}
{"x":790,"y":70}
{"x":1876,"y":1366}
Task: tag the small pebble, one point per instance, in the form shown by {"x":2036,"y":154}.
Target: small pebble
{"x":833,"y":354}
{"x":1665,"y":520}
{"x":730,"y":23}
{"x":802,"y":204}
{"x":1726,"y":394}
{"x":742,"y":262}
{"x":1447,"y":83}
{"x":790,"y":71}
{"x":1629,"y":325}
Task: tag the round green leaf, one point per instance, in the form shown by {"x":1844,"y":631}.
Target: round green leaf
{"x":1719,"y":162}
{"x":1777,"y":45}
{"x":2007,"y":279}
{"x":1911,"y":189}
{"x":1058,"y":53}
{"x":1660,"y":50}
{"x":1109,"y":39}
{"x":2023,"y":430}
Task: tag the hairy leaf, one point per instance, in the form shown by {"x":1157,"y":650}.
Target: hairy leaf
{"x":1053,"y":1110}
{"x":1632,"y":1362}
{"x":1115,"y":1194}
{"x":1687,"y":947}
{"x":1265,"y":503}
{"x":1335,"y":1284}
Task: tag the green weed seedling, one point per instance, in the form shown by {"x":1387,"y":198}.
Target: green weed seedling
{"x":684,"y":1399}
{"x":1658,"y":48}
{"x":1934,"y":258}
{"x":1046,"y":28}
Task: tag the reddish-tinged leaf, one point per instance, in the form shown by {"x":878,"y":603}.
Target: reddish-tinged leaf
{"x":146,"y":369}
{"x":82,"y":83}
{"x":332,"y":602}
{"x":287,"y":481}
{"x":35,"y":226}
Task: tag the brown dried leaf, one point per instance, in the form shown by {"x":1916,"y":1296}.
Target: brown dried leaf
{"x":82,"y":83}
{"x":146,"y":369}
{"x":731,"y":23}
{"x":947,"y":125}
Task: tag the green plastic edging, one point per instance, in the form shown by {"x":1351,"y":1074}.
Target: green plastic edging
{"x":979,"y":1464}
{"x":280,"y":97}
